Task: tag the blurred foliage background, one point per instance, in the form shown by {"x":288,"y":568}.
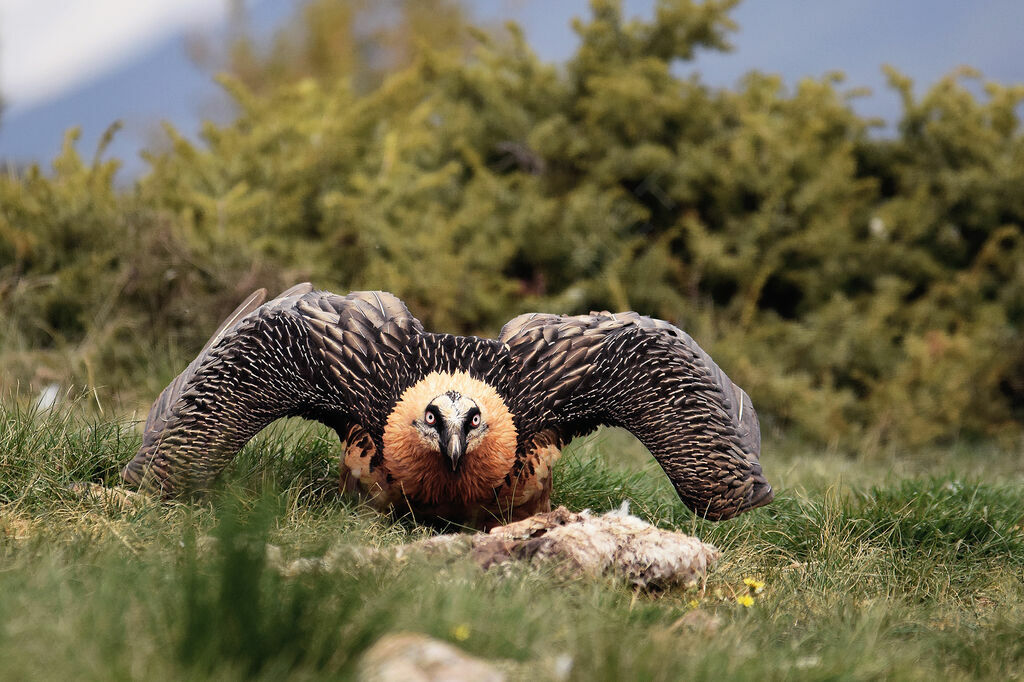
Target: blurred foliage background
{"x":866,"y":289}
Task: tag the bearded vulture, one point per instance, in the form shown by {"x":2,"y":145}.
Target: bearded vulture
{"x":460,"y":428}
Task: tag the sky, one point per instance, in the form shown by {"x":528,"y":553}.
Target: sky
{"x":50,"y":46}
{"x":91,"y":62}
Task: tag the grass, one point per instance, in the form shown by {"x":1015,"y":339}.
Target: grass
{"x":899,"y":567}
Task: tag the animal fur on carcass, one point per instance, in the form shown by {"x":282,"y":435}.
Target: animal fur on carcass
{"x":615,"y":543}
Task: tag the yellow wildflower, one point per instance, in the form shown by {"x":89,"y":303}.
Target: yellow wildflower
{"x":694,"y":603}
{"x":755,"y":585}
{"x":461,"y":632}
{"x":745,"y":600}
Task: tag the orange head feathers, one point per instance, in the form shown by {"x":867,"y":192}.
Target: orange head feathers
{"x":449,"y":438}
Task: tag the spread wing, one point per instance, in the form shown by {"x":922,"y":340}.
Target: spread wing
{"x":577,"y":373}
{"x":313,"y":354}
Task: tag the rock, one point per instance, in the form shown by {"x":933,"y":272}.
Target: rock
{"x":47,"y":398}
{"x":412,"y":657}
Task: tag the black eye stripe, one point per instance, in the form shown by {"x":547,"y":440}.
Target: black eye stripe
{"x":473,"y":419}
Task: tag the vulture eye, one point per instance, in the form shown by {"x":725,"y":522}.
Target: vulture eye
{"x":475,"y":421}
{"x":429,"y":417}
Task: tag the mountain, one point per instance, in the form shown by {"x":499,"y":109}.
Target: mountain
{"x":795,"y":38}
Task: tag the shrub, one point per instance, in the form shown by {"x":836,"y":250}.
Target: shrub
{"x":863,"y":288}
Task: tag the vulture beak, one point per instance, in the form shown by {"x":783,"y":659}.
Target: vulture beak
{"x":453,"y":444}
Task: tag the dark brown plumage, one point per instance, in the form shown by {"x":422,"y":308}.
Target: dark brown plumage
{"x":462,"y":428}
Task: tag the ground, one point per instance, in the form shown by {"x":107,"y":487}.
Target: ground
{"x":882,"y":565}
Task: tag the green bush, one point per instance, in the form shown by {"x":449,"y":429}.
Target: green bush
{"x":866,"y":289}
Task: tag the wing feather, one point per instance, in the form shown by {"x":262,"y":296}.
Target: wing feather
{"x":306,"y":353}
{"x":577,"y":373}
{"x":169,"y":395}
